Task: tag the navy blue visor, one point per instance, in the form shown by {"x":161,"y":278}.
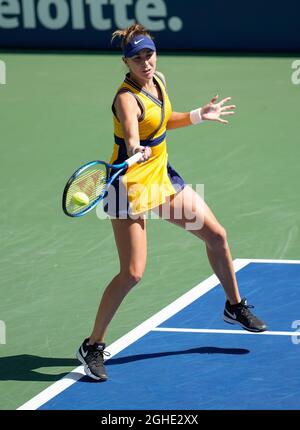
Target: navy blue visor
{"x":137,"y":44}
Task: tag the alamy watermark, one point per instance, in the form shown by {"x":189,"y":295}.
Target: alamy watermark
{"x":2,"y":72}
{"x":295,"y":78}
{"x":2,"y":332}
{"x":186,"y":207}
{"x":296,"y":338}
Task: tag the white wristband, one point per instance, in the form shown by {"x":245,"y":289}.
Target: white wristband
{"x":195,"y":116}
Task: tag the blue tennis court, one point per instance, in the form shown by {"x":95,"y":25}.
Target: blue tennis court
{"x":186,"y":357}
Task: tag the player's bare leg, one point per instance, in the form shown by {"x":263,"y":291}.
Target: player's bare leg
{"x":188,"y":210}
{"x":131,"y":241}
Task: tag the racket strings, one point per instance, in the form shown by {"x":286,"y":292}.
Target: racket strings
{"x":91,"y":182}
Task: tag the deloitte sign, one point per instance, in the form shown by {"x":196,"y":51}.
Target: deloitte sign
{"x":176,"y":24}
{"x":102,"y":15}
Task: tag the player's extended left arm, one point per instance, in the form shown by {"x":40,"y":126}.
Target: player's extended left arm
{"x":210,"y":112}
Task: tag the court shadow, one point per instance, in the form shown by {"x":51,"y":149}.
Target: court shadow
{"x":199,"y":350}
{"x":25,"y":367}
{"x":151,"y":356}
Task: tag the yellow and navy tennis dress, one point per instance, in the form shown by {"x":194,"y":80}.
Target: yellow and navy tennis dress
{"x":143,"y":186}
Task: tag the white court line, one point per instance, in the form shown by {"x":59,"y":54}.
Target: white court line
{"x":207,"y":330}
{"x":264,"y":260}
{"x":127,"y":339}
{"x":144,"y":328}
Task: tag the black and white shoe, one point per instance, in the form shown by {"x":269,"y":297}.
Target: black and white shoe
{"x":240,"y":314}
{"x":92,"y":357}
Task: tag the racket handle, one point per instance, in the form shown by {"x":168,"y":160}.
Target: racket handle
{"x":134,"y":159}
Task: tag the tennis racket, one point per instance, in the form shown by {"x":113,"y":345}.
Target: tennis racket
{"x":89,"y":185}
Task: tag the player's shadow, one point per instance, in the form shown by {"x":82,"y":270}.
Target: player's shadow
{"x":26,"y":367}
{"x":199,"y":350}
{"x":153,"y":355}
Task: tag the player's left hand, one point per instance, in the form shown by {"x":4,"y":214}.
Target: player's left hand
{"x":213,"y":111}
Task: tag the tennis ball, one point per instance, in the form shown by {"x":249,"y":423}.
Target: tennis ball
{"x":80,"y":198}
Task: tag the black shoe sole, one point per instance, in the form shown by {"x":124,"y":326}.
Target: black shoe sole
{"x":231,"y":321}
{"x":87,"y":369}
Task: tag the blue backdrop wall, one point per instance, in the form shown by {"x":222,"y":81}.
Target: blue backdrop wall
{"x":257,"y":25}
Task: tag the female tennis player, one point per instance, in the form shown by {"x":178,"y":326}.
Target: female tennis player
{"x":142,"y":114}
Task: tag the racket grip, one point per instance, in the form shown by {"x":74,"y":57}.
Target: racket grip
{"x":134,"y":159}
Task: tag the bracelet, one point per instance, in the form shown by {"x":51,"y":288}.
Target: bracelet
{"x":195,"y":116}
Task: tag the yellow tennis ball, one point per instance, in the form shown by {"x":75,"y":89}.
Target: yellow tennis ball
{"x":80,"y":198}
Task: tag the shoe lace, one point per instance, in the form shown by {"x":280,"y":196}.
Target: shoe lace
{"x":99,"y":353}
{"x":246,"y":312}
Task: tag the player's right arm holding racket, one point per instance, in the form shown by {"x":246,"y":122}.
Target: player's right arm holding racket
{"x":128,"y":112}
